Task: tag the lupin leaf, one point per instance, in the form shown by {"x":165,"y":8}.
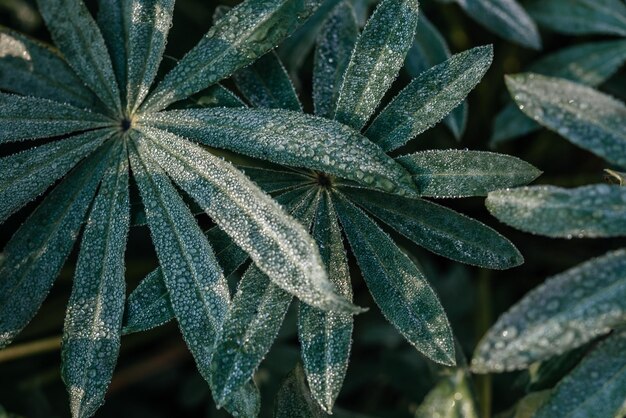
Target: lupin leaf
{"x":588,"y":211}
{"x":283,"y":251}
{"x":246,"y":402}
{"x":326,"y":337}
{"x":586,"y":117}
{"x":218,"y":96}
{"x":290,"y":138}
{"x":376,"y":59}
{"x":78,"y":37}
{"x":28,"y":66}
{"x":34,"y":256}
{"x":332,"y":55}
{"x":397,"y":285}
{"x":441,"y":230}
{"x":429,"y":98}
{"x":197,"y":288}
{"x":565,"y":312}
{"x":276,"y":181}
{"x":27,"y":174}
{"x":294,"y":399}
{"x":111,"y":20}
{"x":91,"y":336}
{"x":456,"y":173}
{"x":248,"y":31}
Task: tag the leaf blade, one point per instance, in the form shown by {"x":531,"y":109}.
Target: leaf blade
{"x":580,"y":17}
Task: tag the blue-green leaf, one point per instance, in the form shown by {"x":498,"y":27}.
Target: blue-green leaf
{"x":565,"y":312}
{"x":218,"y":96}
{"x":588,"y":211}
{"x":112,"y":21}
{"x":91,"y":334}
{"x":246,"y":402}
{"x":35,"y":254}
{"x":452,"y":397}
{"x":294,"y":399}
{"x":397,"y":285}
{"x":276,"y":181}
{"x":580,"y":17}
{"x":289,"y":138}
{"x":27,"y":174}
{"x":429,"y":98}
{"x":441,"y":230}
{"x":78,"y":37}
{"x":586,"y":117}
{"x":457,"y":173}
{"x":376,"y":59}
{"x":332,"y":55}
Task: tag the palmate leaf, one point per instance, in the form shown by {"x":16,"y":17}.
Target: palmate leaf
{"x":34,"y":256}
{"x":565,"y":312}
{"x":596,"y":387}
{"x":580,"y":17}
{"x":294,"y":399}
{"x":78,"y":37}
{"x":586,"y":117}
{"x":376,"y":59}
{"x":457,"y":173}
{"x":591,"y":63}
{"x":290,"y":138}
{"x":429,"y":98}
{"x":91,"y":336}
{"x":441,"y":230}
{"x":285,"y":253}
{"x":28,"y":66}
{"x":398,"y":287}
{"x":27,"y":174}
{"x":588,"y":211}
{"x":244,"y":34}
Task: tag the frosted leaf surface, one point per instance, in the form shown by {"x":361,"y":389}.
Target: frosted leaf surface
{"x":197,"y":288}
{"x":27,"y":174}
{"x":505,"y":18}
{"x":112,"y":23}
{"x":326,"y":337}
{"x":332,"y":55}
{"x":376,"y":60}
{"x":248,"y":31}
{"x":31,"y":118}
{"x":91,"y":334}
{"x":429,"y":98}
{"x":278,"y":245}
{"x":77,"y":35}
{"x":28,"y":66}
{"x":397,"y":286}
{"x":35,"y":254}
{"x":589,"y":211}
{"x":289,"y":138}
{"x":565,"y":312}
{"x":586,"y":117}
{"x":456,"y":173}
{"x":246,"y":402}
{"x":276,"y":181}
{"x":294,"y":399}
{"x":441,"y":230}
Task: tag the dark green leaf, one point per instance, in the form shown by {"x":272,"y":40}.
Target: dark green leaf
{"x":218,"y":96}
{"x":580,"y":17}
{"x":276,"y":181}
{"x":294,"y":399}
{"x":452,"y":397}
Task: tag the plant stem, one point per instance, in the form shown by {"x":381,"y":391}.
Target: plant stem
{"x":31,"y":348}
{"x":483,"y":321}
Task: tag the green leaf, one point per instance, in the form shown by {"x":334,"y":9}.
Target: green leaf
{"x":588,"y":211}
{"x":451,"y":397}
{"x":546,"y":374}
{"x":277,"y":244}
{"x":289,"y":138}
{"x":457,"y":173}
{"x":441,"y":230}
{"x":28,"y":66}
{"x":332,"y":55}
{"x":565,"y":312}
{"x":429,"y":49}
{"x":580,"y":17}
{"x":218,"y":96}
{"x":429,"y":98}
{"x":591,"y":63}
{"x":91,"y":336}
{"x":35,"y":254}
{"x":266,"y":84}
{"x":112,"y":21}
{"x":326,"y":337}
{"x":276,"y":181}
{"x":294,"y":398}
{"x":595,"y":388}
{"x":586,"y":117}
{"x":398,"y":287}
{"x":31,"y":118}
{"x":27,"y":174}
{"x":246,"y":402}
{"x":197,"y":288}
{"x":77,"y":35}
{"x":376,"y":59}
{"x":236,"y":40}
